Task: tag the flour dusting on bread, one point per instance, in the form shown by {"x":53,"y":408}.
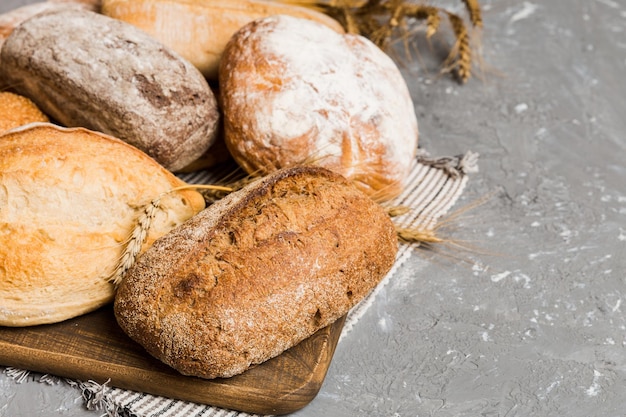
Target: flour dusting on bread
{"x":294,"y":90}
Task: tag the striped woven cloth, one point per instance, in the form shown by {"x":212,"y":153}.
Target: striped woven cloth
{"x":433,"y":187}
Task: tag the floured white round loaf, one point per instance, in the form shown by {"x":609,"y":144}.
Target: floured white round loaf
{"x":296,"y":92}
{"x":69,"y":200}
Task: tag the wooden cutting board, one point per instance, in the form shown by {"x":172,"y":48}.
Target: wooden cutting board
{"x":93,"y":347}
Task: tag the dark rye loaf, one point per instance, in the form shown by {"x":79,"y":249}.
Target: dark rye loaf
{"x":84,"y":69}
{"x":256,"y":273}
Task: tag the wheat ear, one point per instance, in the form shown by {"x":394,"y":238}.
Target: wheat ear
{"x":462,"y":50}
{"x":135,"y":241}
{"x":415,"y":235}
{"x":140,"y":231}
{"x":473,"y":9}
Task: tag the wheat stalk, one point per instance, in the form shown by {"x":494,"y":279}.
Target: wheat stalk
{"x":213,"y":195}
{"x":461,"y":53}
{"x":383,"y":20}
{"x":136,"y":240}
{"x":395,"y":211}
{"x":139,"y":233}
{"x":417,"y":235}
{"x":473,"y":9}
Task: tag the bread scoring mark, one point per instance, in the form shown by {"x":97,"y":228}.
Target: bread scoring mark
{"x":115,"y":42}
{"x":183,"y":96}
{"x":151,"y":91}
{"x":174,"y":59}
{"x":194,"y":286}
{"x":316,"y":319}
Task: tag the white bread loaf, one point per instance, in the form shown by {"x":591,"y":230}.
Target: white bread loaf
{"x":294,"y":91}
{"x":69,"y":199}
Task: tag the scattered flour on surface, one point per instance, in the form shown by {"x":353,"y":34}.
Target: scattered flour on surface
{"x":594,"y":389}
{"x":609,"y":3}
{"x":528,"y":9}
{"x":499,"y":277}
{"x":521,"y":108}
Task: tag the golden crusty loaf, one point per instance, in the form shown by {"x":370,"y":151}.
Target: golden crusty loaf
{"x":16,"y":110}
{"x":295,"y":91}
{"x":88,"y":70}
{"x":69,"y":199}
{"x":199,"y":29}
{"x":256,"y":273}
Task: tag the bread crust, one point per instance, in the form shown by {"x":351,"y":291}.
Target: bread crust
{"x":11,"y":19}
{"x":256,"y":273}
{"x":16,"y":110}
{"x":199,"y":29}
{"x":89,"y":70}
{"x":69,"y":199}
{"x":294,"y":91}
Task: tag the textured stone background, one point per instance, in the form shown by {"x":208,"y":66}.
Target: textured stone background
{"x":529,"y":317}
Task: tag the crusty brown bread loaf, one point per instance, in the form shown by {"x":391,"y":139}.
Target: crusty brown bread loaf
{"x":256,"y":273}
{"x":294,"y":91}
{"x":16,"y":110}
{"x":88,"y":70}
{"x":69,"y":199}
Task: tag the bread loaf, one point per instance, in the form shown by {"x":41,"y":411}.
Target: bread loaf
{"x":93,"y":5}
{"x":16,"y":110}
{"x":295,"y":91}
{"x":256,"y":273}
{"x":11,"y":19}
{"x":200,"y":29}
{"x":85,"y":69}
{"x":69,"y":199}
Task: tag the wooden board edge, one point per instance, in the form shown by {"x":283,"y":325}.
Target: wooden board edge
{"x":223,"y":393}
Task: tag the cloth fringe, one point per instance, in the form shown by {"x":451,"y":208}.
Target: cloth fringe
{"x":434,"y":186}
{"x":454,"y":166}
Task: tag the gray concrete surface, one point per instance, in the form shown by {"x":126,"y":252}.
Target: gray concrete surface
{"x":529,"y":318}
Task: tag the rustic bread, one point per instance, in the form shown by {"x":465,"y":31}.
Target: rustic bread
{"x":9,"y":20}
{"x":93,"y":5}
{"x":295,"y":91}
{"x":16,"y":110}
{"x":69,"y":199}
{"x":256,"y":273}
{"x":85,"y":69}
{"x":199,"y":29}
